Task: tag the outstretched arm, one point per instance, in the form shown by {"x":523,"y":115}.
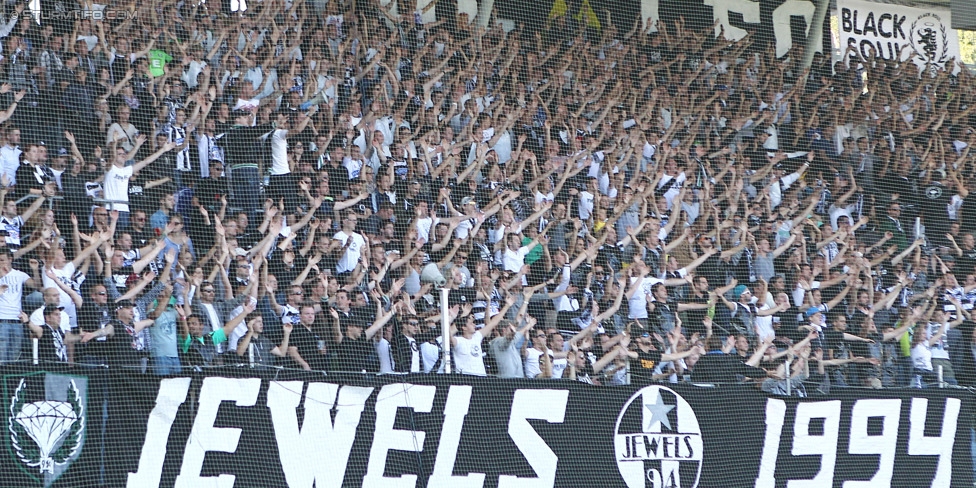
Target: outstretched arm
{"x":154,"y":156}
{"x":75,"y":297}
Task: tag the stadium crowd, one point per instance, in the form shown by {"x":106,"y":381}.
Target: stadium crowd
{"x":185,"y":188}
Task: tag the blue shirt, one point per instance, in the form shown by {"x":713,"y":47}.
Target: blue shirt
{"x":163,"y":333}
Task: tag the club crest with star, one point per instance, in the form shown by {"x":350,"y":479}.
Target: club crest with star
{"x":657,"y":440}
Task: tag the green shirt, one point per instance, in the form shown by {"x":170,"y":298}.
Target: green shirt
{"x":157,"y":60}
{"x":216,"y":337}
{"x":535,"y":254}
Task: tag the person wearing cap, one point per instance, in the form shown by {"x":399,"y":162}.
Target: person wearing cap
{"x":128,"y":344}
{"x":373,"y":226}
{"x":353,"y":346}
{"x":53,"y":338}
{"x":472,"y":217}
{"x":52,"y":298}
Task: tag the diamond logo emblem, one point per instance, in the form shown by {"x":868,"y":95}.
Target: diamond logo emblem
{"x":47,"y":422}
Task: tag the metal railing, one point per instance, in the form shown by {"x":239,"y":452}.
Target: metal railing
{"x":32,"y":196}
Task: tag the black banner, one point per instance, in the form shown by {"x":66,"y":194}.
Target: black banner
{"x":300,"y":430}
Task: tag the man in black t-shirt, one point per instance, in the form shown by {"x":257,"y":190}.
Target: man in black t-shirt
{"x":265,"y":351}
{"x":354,"y":348}
{"x":719,"y":367}
{"x":700,"y":295}
{"x":648,"y":357}
{"x":837,"y":346}
{"x":127,"y":345}
{"x":934,"y":200}
{"x":93,"y":317}
{"x":141,"y":234}
{"x":209,"y":191}
{"x":308,"y":342}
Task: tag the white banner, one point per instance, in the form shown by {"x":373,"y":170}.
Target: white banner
{"x":922,"y":35}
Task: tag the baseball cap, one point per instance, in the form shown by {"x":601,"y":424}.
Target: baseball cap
{"x":467,"y":200}
{"x":62,"y":152}
{"x":739,"y":290}
{"x":123,"y":304}
{"x":812,"y":311}
{"x":52,"y":308}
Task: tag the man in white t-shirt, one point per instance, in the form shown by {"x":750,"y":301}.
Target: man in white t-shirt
{"x":469,"y":355}
{"x":10,"y":154}
{"x":12,"y":283}
{"x":641,"y":287}
{"x":425,"y":220}
{"x":513,"y":255}
{"x":587,"y":198}
{"x":116,"y":183}
{"x":537,"y":355}
{"x":281,"y":184}
{"x":349,"y":243}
